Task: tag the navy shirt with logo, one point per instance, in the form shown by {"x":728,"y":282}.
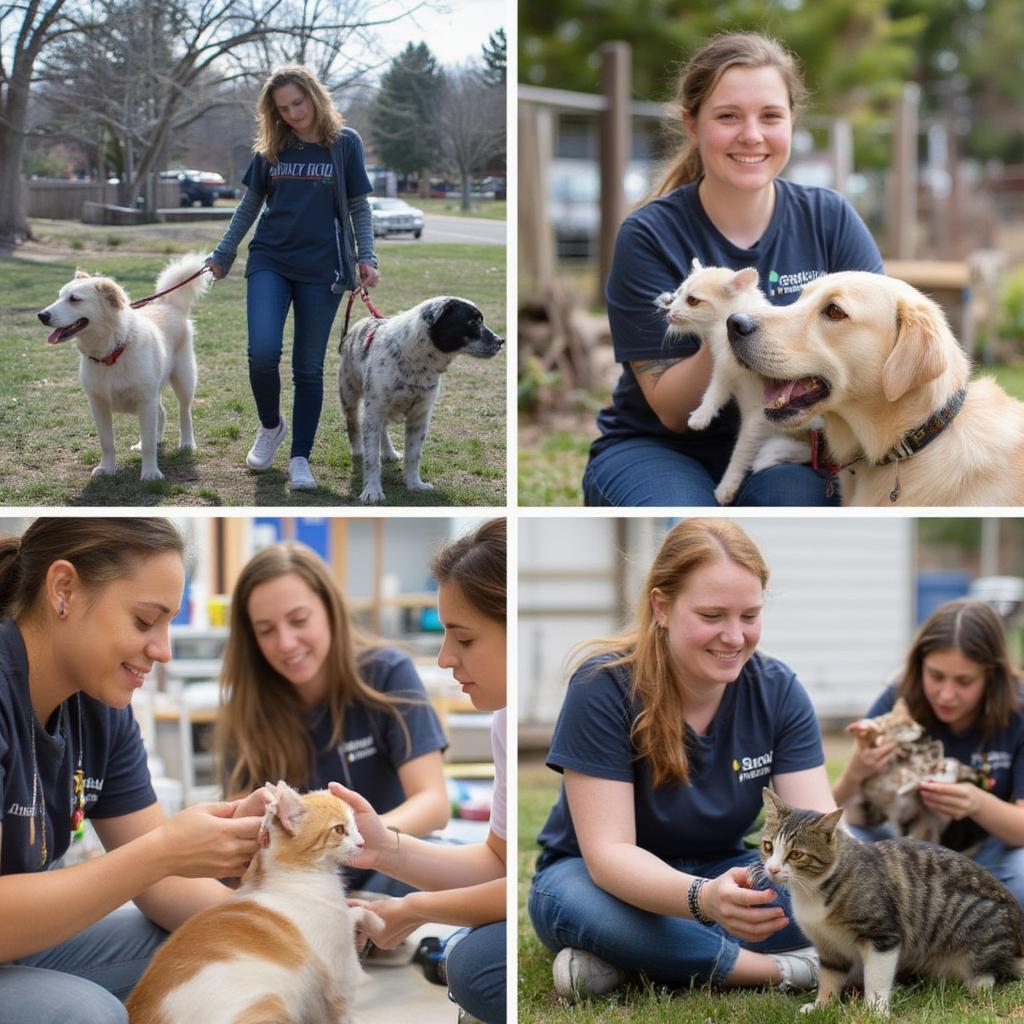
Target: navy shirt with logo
{"x":764,"y":726}
{"x":113,"y":761}
{"x":813,"y":231}
{"x":373,"y":745}
{"x":1004,"y":753}
{"x":295,"y":235}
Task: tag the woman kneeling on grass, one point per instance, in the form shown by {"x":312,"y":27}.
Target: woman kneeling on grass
{"x":667,"y":735}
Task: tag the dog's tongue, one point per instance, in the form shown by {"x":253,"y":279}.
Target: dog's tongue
{"x":778,"y":393}
{"x":54,"y":338}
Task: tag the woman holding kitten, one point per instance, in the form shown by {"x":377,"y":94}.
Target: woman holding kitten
{"x":465,"y":884}
{"x":959,"y":685}
{"x":85,"y":606}
{"x":308,"y":698}
{"x":667,"y":735}
{"x":308,"y":185}
{"x":722,"y":202}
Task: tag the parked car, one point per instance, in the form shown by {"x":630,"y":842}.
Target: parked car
{"x":395,"y":216}
{"x":203,"y":187}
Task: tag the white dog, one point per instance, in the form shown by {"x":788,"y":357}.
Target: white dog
{"x":127,"y":355}
{"x":701,"y":305}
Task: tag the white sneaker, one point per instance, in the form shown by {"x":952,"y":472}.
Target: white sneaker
{"x":261,"y":454}
{"x":581,"y":975}
{"x":300,"y":477}
{"x":799,"y":969}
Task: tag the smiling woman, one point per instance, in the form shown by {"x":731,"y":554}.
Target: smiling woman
{"x":85,"y":607}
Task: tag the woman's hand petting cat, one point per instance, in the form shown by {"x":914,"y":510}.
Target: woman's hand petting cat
{"x":739,"y":909}
{"x":399,"y":916}
{"x":378,"y":839}
{"x":206,"y":841}
{"x":867,"y":761}
{"x":956,"y":800}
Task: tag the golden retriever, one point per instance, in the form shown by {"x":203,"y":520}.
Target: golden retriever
{"x":877,"y":360}
{"x":126,"y":356}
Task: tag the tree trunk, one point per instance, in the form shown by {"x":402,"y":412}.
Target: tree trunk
{"x":14,"y":226}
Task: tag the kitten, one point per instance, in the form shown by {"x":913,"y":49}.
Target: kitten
{"x":873,"y":910}
{"x":892,"y":795}
{"x":701,"y":305}
{"x":281,"y":949}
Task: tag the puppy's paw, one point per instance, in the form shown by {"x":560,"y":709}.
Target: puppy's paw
{"x":152,"y":474}
{"x":103,"y":469}
{"x":418,"y":485}
{"x":372,"y":494}
{"x":390,"y":456}
{"x":187,"y":446}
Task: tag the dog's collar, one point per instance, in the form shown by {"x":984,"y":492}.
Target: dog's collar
{"x":110,"y":358}
{"x":910,"y":444}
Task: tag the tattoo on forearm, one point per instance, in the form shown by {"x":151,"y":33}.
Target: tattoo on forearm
{"x":657,"y":367}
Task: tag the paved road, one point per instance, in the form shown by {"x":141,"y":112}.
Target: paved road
{"x":466,"y":230}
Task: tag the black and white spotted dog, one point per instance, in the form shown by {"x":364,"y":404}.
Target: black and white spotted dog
{"x":394,"y":366}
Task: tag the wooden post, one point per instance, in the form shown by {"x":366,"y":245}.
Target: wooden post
{"x":616,"y":136}
{"x":536,"y":241}
{"x":903,"y":184}
{"x":841,"y":150}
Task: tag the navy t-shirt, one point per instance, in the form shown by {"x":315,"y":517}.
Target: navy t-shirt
{"x":113,"y":761}
{"x":764,"y":726}
{"x":813,"y":231}
{"x":373,"y":746}
{"x":1004,"y":753}
{"x":296,"y":233}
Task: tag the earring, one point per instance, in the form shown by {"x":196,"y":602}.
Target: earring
{"x":61,"y":609}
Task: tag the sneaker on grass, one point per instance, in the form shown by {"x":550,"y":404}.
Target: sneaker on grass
{"x":582,"y":975}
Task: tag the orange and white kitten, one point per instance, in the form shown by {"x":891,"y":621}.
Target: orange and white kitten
{"x":279,"y":950}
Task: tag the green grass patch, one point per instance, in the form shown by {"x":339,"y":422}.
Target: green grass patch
{"x":486,"y":209}
{"x":646,"y":1004}
{"x":48,"y":439}
{"x":551,"y":475}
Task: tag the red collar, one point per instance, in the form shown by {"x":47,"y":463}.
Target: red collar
{"x":109,"y":360}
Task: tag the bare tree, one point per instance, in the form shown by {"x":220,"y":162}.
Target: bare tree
{"x":472,"y":124}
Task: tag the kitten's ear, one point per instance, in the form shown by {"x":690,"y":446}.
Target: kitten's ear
{"x":901,"y":706}
{"x":773,"y":804}
{"x":828,"y":823}
{"x":286,"y":806}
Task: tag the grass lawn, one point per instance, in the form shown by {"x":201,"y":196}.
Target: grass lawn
{"x":48,"y":439}
{"x":920,"y":1004}
{"x":551,"y":463}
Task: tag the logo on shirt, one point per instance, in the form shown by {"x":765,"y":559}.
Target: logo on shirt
{"x":356,"y":750}
{"x":996,"y":759}
{"x":787,"y":284}
{"x":748,"y":768}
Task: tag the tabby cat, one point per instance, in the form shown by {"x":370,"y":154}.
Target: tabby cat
{"x":892,"y":795}
{"x":279,"y":950}
{"x":900,"y":906}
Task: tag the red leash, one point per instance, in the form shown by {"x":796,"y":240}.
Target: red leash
{"x":368,"y":302}
{"x":180,"y":284}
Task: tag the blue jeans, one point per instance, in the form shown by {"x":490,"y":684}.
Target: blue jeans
{"x":568,"y":909}
{"x":475,"y":964}
{"x":645,"y":471}
{"x":268,"y":298}
{"x":83,"y":980}
{"x":1005,"y":862}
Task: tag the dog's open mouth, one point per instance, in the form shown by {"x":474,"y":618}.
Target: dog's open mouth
{"x":63,"y":333}
{"x":786,"y":398}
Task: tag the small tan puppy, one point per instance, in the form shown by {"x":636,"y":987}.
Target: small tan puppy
{"x":128,"y":355}
{"x":877,"y":360}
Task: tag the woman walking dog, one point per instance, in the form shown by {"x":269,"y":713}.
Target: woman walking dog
{"x":313,"y":242}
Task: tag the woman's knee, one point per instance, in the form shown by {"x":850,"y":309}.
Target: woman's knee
{"x":475,"y":967}
{"x":35,"y":996}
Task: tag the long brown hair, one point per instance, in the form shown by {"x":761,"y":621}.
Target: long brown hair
{"x":658,"y":734}
{"x":477,"y":565}
{"x":272,"y":134}
{"x":973,"y":628}
{"x":101,"y":550}
{"x":261,"y":731}
{"x":702,"y":73}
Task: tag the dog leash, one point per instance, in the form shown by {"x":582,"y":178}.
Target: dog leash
{"x":152,"y":298}
{"x":368,"y":302}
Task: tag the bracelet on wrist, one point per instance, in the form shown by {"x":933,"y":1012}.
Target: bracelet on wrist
{"x":398,"y":836}
{"x":693,"y":901}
